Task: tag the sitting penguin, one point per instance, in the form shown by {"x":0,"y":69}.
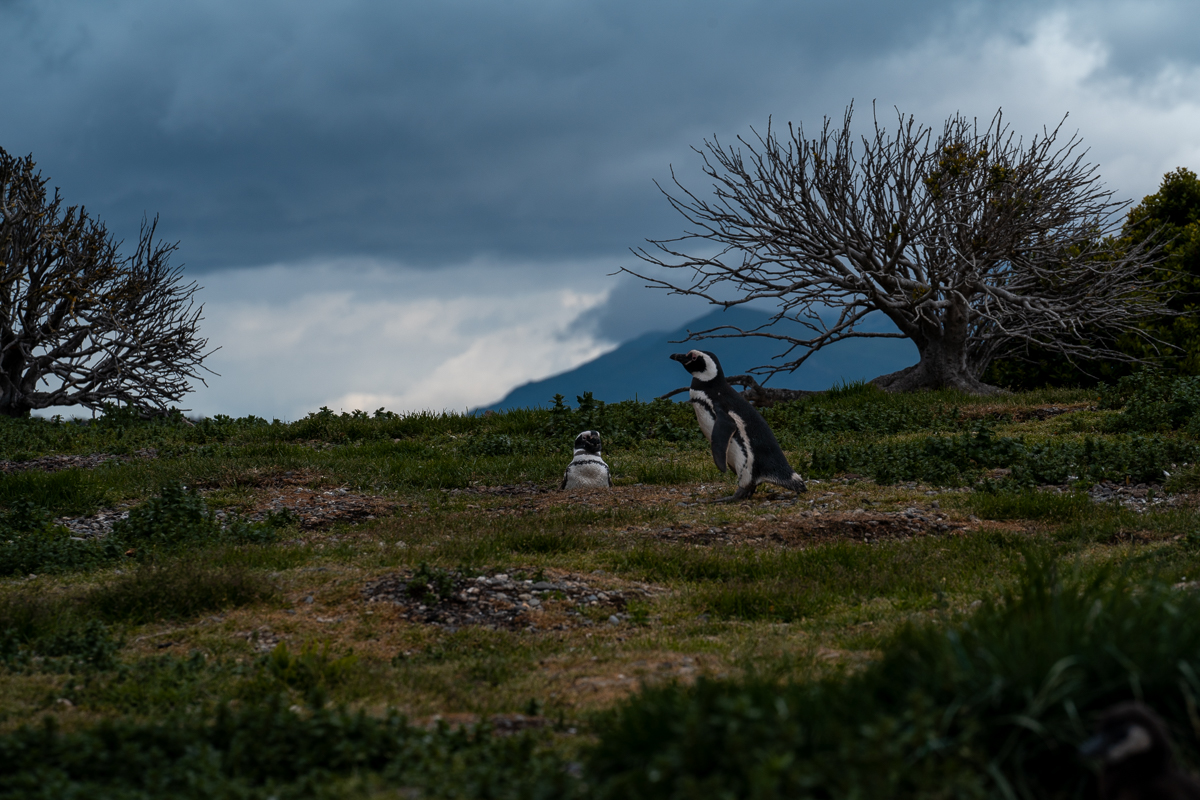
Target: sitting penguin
{"x":739,"y":436}
{"x":1135,"y":750}
{"x":587,"y":469}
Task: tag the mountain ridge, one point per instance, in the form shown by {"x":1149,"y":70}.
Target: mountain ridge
{"x":640,"y":367}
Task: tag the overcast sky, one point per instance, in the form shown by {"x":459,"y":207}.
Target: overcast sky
{"x":418,"y":204}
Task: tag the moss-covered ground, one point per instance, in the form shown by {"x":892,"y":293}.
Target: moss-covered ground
{"x":920,"y":511}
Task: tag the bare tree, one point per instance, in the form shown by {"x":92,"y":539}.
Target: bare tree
{"x":973,"y":243}
{"x":79,"y":323}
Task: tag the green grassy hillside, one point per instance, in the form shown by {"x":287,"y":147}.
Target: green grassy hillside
{"x":382,"y":605}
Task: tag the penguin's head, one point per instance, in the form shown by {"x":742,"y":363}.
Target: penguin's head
{"x":588,"y":442}
{"x":702,"y":364}
{"x":1130,"y":738}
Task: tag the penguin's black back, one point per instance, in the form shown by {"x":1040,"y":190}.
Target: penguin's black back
{"x":768,"y":455}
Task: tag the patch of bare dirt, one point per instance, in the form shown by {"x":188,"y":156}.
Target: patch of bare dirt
{"x":315,"y":508}
{"x":500,"y":724}
{"x":1138,"y":497}
{"x":808,"y":528}
{"x":61,"y":462}
{"x":557,"y":601}
{"x":530,"y":498}
{"x":1022,"y":414}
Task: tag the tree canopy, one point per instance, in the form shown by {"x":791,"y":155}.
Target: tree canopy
{"x":1169,"y":218}
{"x":80,"y":323}
{"x":974,"y":242}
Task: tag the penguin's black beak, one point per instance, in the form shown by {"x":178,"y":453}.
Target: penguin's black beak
{"x":680,"y":357}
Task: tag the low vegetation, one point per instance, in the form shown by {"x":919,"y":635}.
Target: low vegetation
{"x":193,"y":608}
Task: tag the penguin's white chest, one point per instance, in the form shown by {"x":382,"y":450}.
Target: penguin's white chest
{"x":704,"y":413}
{"x":739,"y":455}
{"x":587,"y":472}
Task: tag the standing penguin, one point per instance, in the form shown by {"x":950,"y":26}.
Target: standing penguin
{"x":587,"y":469}
{"x":738,"y":434}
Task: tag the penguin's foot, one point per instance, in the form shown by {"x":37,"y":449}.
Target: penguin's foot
{"x":744,"y":492}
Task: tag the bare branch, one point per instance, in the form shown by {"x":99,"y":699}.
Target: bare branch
{"x":79,"y":323}
{"x":974,"y":244}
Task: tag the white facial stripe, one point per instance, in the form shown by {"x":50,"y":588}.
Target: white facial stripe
{"x":710,"y":369}
{"x":1137,"y":740}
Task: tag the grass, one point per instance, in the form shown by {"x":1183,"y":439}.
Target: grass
{"x":189,"y":635}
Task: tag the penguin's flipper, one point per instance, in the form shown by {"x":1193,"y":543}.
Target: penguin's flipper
{"x":563,"y":485}
{"x":722,"y":432}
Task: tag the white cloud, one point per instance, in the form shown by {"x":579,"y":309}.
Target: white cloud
{"x":1137,"y":127}
{"x":358,"y":336}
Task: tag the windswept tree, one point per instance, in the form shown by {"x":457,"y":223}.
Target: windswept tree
{"x":80,"y":324}
{"x":973,"y":242}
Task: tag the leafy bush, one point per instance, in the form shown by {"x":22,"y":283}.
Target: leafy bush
{"x":68,"y":491}
{"x":179,"y":518}
{"x":960,"y":460}
{"x":70,"y":644}
{"x":178,"y":589}
{"x":626,"y":423}
{"x":1154,"y":401}
{"x":428,"y":580}
{"x":1030,"y":504}
{"x":862,"y":408}
{"x":265,"y":750}
{"x":310,"y":670}
{"x":90,"y":644}
{"x":994,"y":706}
{"x":940,"y":460}
{"x":30,"y":542}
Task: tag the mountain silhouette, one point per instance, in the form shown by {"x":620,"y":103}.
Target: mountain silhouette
{"x":640,"y":368}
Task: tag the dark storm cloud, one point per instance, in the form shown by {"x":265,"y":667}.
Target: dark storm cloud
{"x":424,"y":132}
{"x":434,"y":132}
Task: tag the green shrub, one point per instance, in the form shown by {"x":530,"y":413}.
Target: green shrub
{"x":75,"y":624}
{"x":862,"y":408}
{"x":312,"y":669}
{"x":994,"y":706}
{"x":961,"y":459}
{"x":1030,"y":504}
{"x":623,"y":424}
{"x":68,"y":491}
{"x":1154,"y":401}
{"x":428,"y":580}
{"x":179,"y":518}
{"x":90,"y":644}
{"x":938,"y":460}
{"x":179,"y":589}
{"x":64,"y":643}
{"x":31,"y":543}
{"x":263,"y":750}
